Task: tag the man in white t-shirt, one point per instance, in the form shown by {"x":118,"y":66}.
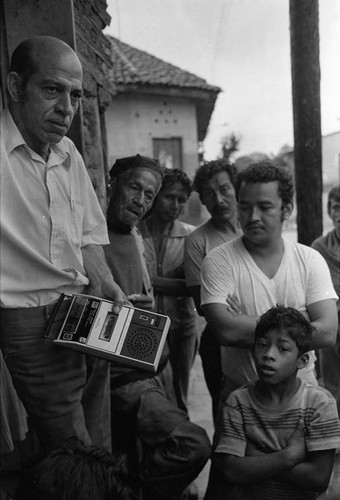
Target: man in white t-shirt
{"x":260,"y":269}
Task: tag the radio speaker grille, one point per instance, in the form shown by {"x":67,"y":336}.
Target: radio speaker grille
{"x":141,"y":343}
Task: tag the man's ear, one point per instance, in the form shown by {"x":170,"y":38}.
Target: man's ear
{"x":303,"y":360}
{"x":287,"y":211}
{"x":112,"y":192}
{"x":113,"y":186}
{"x":14,"y":86}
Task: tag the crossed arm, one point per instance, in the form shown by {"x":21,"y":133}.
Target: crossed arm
{"x":234,"y":328}
{"x":292,"y":464}
{"x":171,"y":284}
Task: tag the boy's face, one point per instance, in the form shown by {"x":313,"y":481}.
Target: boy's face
{"x":277,"y":357}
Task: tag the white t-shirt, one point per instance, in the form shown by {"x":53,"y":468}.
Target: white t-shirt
{"x":303,"y":278}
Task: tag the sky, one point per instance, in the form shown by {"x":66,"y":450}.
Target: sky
{"x":242,"y":46}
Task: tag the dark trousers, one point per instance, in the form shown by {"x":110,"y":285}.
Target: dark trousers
{"x":64,"y":392}
{"x":171,"y":450}
{"x":183,"y":348}
{"x":210,"y":352}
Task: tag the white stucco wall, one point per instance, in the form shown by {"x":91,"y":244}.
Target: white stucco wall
{"x":133,"y":121}
{"x":331,"y":158}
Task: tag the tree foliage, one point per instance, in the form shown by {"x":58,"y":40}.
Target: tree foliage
{"x":229,"y":145}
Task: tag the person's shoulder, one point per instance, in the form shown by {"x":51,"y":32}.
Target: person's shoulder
{"x":319,"y":241}
{"x":315,"y":394}
{"x":322,"y":241}
{"x":200,"y":231}
{"x":296,"y":246}
{"x":184,"y":227}
{"x":303,"y":251}
{"x":229,"y":248}
{"x":241,"y":395}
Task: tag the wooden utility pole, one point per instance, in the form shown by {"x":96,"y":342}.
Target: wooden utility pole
{"x":304,"y":41}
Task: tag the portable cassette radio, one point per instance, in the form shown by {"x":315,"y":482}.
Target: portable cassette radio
{"x":134,"y":337}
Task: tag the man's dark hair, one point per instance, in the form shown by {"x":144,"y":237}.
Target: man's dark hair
{"x":268,"y":171}
{"x":209,"y":169}
{"x":172,"y":176}
{"x":79,"y":472}
{"x":289,"y":320}
{"x":333,"y":195}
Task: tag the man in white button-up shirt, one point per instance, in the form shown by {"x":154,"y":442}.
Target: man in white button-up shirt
{"x":52,"y":232}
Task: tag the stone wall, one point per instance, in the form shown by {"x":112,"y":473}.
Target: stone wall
{"x":80,"y":24}
{"x":93,"y":49}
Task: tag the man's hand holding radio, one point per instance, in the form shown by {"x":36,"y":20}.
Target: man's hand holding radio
{"x":141,"y":301}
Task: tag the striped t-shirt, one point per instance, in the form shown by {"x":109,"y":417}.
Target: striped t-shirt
{"x":245,"y":419}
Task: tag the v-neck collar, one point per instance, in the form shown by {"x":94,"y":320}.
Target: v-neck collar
{"x":253,"y":264}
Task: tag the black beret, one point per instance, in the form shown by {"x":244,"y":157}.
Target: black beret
{"x":137,"y":161}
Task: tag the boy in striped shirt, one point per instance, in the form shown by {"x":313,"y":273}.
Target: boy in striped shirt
{"x":277,"y":437}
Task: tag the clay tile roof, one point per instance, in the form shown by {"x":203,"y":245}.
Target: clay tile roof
{"x":132,"y":66}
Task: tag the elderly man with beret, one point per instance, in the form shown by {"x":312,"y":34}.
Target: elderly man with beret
{"x":171,"y":450}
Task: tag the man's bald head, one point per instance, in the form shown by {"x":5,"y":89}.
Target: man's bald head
{"x":45,"y":88}
{"x":30,"y":54}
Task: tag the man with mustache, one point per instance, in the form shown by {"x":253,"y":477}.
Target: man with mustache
{"x":245,"y":277}
{"x":214,"y":182}
{"x":52,"y":232}
{"x":170,"y":450}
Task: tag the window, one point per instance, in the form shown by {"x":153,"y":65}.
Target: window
{"x":168,"y":152}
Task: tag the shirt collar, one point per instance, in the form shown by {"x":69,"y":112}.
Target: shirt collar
{"x":10,"y":132}
{"x":13,"y":139}
{"x":178,"y":229}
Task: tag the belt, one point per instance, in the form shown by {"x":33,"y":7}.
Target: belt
{"x":29,"y":312}
{"x":46,"y":312}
